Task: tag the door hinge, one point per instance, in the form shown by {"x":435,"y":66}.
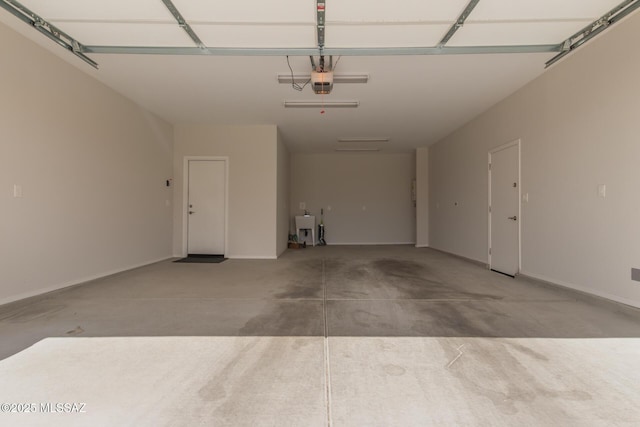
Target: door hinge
{"x":489,"y":209}
{"x":489,"y":166}
{"x":489,"y":251}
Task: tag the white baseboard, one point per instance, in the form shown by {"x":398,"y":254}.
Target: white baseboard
{"x":76,"y":282}
{"x":251,"y":257}
{"x":422,"y":246}
{"x":582,"y":289}
{"x":369,"y":243}
{"x":475,"y":261}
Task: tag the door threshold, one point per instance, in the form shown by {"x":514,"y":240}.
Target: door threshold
{"x":205,"y":255}
{"x":504,"y":274}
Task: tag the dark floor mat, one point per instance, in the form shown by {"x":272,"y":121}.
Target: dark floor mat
{"x":203,"y":259}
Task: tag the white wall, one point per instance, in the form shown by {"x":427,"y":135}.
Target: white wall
{"x":369,"y":195}
{"x":579,"y":128}
{"x":284,"y":190}
{"x":92,"y":166}
{"x":253,"y":179}
{"x":422,"y":197}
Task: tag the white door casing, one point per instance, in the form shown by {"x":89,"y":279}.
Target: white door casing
{"x":205,"y":210}
{"x":504,"y":208}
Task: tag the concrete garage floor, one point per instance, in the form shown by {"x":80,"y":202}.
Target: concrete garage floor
{"x":344,"y":336}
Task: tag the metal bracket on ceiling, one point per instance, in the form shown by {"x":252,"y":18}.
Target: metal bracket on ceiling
{"x":595,"y":28}
{"x":48,"y":29}
{"x":183,"y":23}
{"x":320,"y":23}
{"x":321,"y":66}
{"x":459,"y":22}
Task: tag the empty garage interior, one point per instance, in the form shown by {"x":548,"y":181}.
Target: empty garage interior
{"x":474,"y":168}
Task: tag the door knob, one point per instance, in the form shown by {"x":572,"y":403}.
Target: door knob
{"x":191,"y":212}
{"x":513,"y":218}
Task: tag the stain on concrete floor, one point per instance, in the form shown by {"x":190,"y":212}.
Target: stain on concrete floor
{"x":391,"y":291}
{"x":286,"y":319}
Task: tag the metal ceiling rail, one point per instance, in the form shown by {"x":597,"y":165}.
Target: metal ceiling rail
{"x":183,"y":23}
{"x":459,"y":23}
{"x":391,"y":51}
{"x":49,"y":30}
{"x":320,"y":23}
{"x":78,"y":49}
{"x":595,"y":28}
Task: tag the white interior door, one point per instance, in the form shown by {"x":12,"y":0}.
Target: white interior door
{"x":206,"y":207}
{"x":504,"y":209}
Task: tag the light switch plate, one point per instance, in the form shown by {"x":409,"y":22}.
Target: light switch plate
{"x":602,"y":190}
{"x":303,"y":205}
{"x":17,"y":190}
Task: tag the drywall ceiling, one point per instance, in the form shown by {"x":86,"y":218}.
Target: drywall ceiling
{"x":413,"y":99}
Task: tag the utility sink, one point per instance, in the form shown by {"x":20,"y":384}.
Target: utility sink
{"x":306,"y":222}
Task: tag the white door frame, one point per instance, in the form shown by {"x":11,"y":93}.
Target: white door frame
{"x":517,"y":143}
{"x":185,"y":200}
